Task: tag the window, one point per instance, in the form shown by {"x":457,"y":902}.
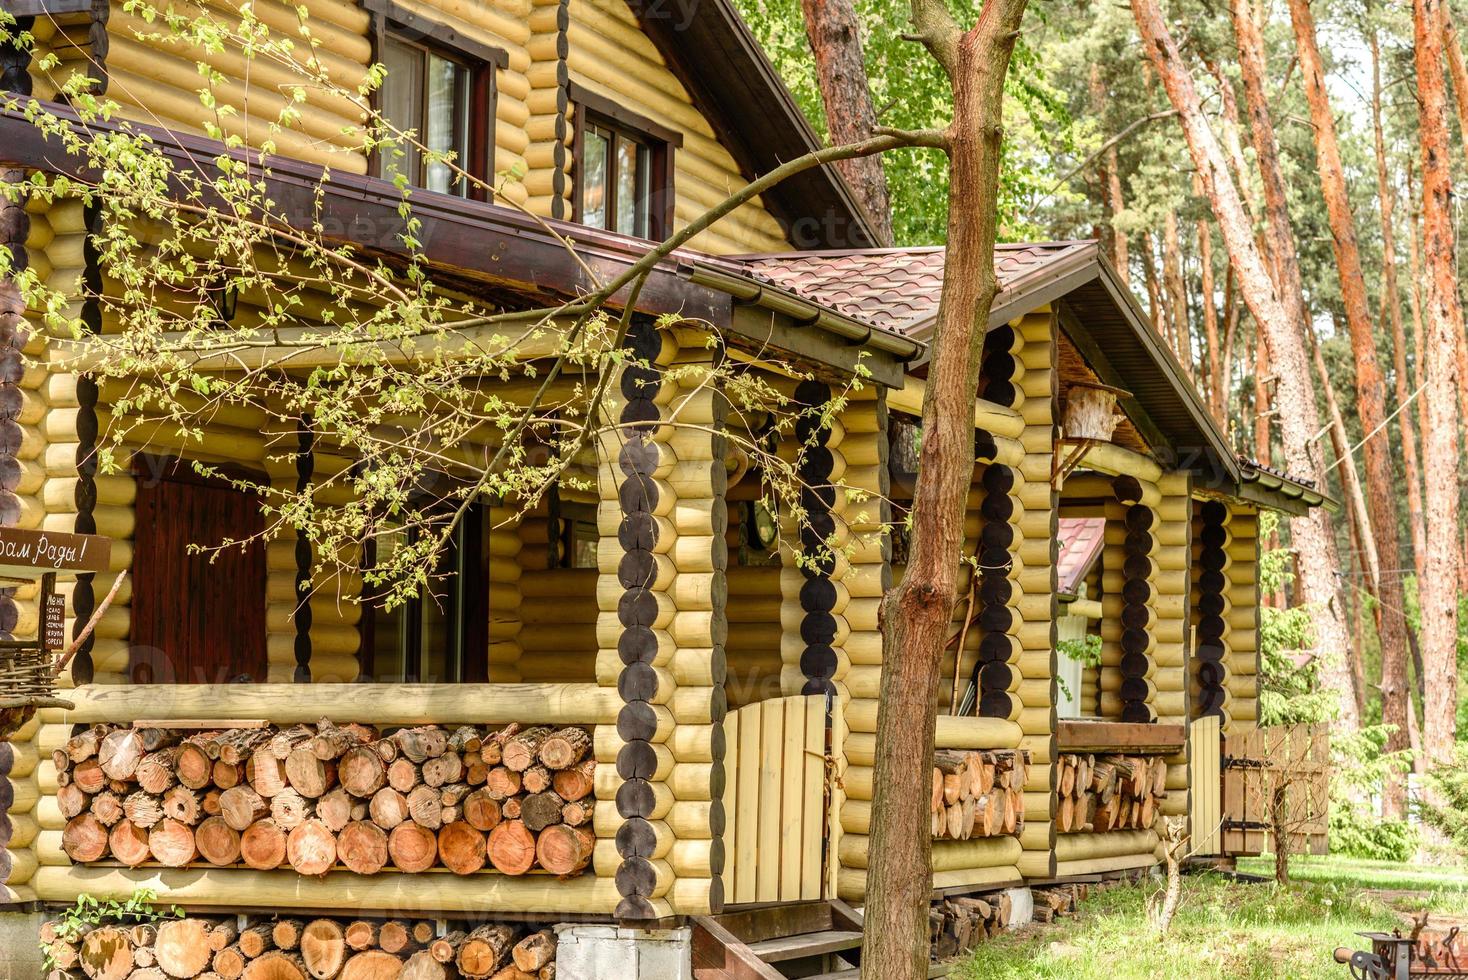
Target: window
{"x":615,"y":180}
{"x":441,"y":636}
{"x":197,"y":618}
{"x":440,"y":85}
{"x":624,"y":175}
{"x":429,"y":94}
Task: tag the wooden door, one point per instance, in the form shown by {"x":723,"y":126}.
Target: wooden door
{"x":196,"y":620}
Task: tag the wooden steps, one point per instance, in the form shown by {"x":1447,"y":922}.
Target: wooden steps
{"x":806,"y":944}
{"x":780,"y":942}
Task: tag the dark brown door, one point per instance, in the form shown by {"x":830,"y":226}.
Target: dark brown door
{"x":196,"y":620}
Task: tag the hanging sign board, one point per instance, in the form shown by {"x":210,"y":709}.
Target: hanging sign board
{"x":53,"y":622}
{"x":29,"y":554}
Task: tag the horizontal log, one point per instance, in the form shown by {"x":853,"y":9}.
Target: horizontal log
{"x":851,"y":883}
{"x":223,"y":888}
{"x":383,"y":704}
{"x":947,"y":855}
{"x":1078,"y":847}
{"x":1065,"y":869}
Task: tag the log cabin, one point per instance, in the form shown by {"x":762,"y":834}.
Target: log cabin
{"x":1106,"y":633}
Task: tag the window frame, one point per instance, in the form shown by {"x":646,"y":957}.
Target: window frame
{"x":593,"y":110}
{"x":472,"y":628}
{"x":481,"y":60}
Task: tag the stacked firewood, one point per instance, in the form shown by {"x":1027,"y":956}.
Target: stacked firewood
{"x":978,"y":794}
{"x":315,"y":797}
{"x":1109,"y":792}
{"x":1058,"y":901}
{"x":957,"y":924}
{"x":296,"y":949}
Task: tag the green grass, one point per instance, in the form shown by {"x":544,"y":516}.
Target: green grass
{"x":1410,"y":887}
{"x":1223,"y":928}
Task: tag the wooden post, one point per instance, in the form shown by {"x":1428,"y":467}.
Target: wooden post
{"x":1209,"y":667}
{"x":869,"y":576}
{"x":1242,"y":574}
{"x":1034,"y":600}
{"x":637,"y":629}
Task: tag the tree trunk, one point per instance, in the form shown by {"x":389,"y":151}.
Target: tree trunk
{"x":1110,"y":179}
{"x":1299,"y":420}
{"x":1459,"y":72}
{"x":834,"y":32}
{"x":1380,"y":526}
{"x":1395,"y":703}
{"x":915,"y":616}
{"x":1177,"y":292}
{"x":1263,"y":410}
{"x":1216,"y":381}
{"x":1438,"y":590}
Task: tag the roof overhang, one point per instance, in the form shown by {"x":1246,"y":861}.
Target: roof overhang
{"x":1112,"y":332}
{"x":478,"y":244}
{"x":711,"y":51}
{"x":1269,"y":488}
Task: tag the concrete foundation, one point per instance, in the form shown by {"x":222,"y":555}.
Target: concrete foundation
{"x":20,"y":954}
{"x":611,"y":953}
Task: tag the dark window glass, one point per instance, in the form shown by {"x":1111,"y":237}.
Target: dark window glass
{"x":617,"y":183}
{"x":440,"y":635}
{"x":429,"y":95}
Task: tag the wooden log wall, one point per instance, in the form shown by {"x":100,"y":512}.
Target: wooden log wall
{"x":1173,"y":604}
{"x":1242,"y":571}
{"x":158,"y":83}
{"x":547,"y":43}
{"x":79,"y":42}
{"x":755,"y":602}
{"x":1129,"y":624}
{"x":296,"y":948}
{"x":867,"y":516}
{"x":1211,"y":610}
{"x":662,"y":632}
{"x":505,"y":572}
{"x":814,"y":596}
{"x":610,"y":55}
{"x":1036,"y":550}
{"x":19,"y":795}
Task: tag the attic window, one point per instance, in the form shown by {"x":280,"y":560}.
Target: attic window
{"x":439,"y":85}
{"x":623,"y":168}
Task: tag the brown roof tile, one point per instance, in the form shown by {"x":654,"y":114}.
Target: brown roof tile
{"x":893,"y":289}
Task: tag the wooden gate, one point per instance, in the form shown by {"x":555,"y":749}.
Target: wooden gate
{"x":1291,"y":762}
{"x":775,"y":800}
{"x":1205,"y":754}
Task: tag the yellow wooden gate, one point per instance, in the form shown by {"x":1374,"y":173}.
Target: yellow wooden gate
{"x":774,"y":800}
{"x":1205,"y":815}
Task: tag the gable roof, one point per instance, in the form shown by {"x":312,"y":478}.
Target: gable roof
{"x":710,"y":50}
{"x":897,"y":289}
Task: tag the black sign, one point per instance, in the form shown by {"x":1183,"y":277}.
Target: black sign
{"x":53,"y":622}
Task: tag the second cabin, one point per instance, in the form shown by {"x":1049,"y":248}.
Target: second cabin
{"x":650,"y":698}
